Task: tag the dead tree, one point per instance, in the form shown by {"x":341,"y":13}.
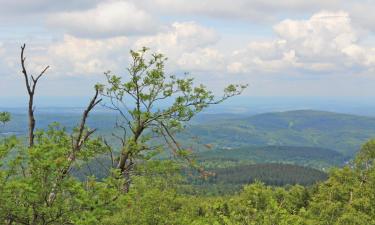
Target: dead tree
{"x":31,"y":83}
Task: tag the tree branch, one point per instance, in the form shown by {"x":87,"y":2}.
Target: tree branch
{"x":30,"y":86}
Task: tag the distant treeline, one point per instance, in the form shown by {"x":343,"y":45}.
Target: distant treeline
{"x":269,"y":173}
{"x":316,"y":157}
{"x":276,"y":174}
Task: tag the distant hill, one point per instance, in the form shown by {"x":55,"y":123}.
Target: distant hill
{"x":315,"y":157}
{"x":340,"y":132}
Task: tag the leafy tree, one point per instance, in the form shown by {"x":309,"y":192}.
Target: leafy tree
{"x":37,"y":186}
{"x":348,"y":196}
{"x":34,"y":190}
{"x":366,"y":156}
{"x":151,"y":103}
{"x":4,"y":117}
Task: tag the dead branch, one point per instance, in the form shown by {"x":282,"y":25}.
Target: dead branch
{"x":77,"y":144}
{"x":31,"y":83}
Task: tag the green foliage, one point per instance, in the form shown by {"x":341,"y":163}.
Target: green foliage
{"x":4,"y":117}
{"x":315,"y":157}
{"x":152,"y":103}
{"x":347,"y":197}
{"x":326,"y":133}
{"x":39,"y":187}
{"x":28,"y":176}
{"x":340,"y":132}
{"x":271,"y":174}
{"x":150,"y":89}
{"x":35,"y":191}
{"x":230,"y":180}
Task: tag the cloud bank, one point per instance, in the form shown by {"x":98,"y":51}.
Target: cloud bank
{"x":268,"y":43}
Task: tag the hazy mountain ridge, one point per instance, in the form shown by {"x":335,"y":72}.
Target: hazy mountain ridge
{"x":341,"y":132}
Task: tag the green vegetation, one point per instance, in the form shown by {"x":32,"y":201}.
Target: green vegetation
{"x":50,"y":178}
{"x":315,"y":157}
{"x":238,"y":143}
{"x":230,"y":180}
{"x":320,"y":130}
{"x":271,"y":174}
{"x":347,"y":197}
{"x":4,"y":117}
{"x":339,"y":132}
{"x":36,"y":189}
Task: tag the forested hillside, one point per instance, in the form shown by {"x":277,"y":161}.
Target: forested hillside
{"x":320,"y":158}
{"x":270,"y":174}
{"x":230,"y":180}
{"x":339,"y":132}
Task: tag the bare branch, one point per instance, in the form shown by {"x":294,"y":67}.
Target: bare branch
{"x":31,"y":84}
{"x":79,"y":140}
{"x":77,"y":143}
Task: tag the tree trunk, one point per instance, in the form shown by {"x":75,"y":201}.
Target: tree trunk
{"x":31,"y":121}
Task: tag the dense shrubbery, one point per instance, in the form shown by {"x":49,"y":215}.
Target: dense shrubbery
{"x":347,"y":197}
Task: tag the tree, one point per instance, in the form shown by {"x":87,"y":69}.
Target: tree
{"x":4,"y":117}
{"x":37,"y":186}
{"x":151,"y":103}
{"x":365,"y":158}
{"x":31,"y":84}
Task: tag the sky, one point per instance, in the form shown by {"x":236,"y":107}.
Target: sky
{"x":280,"y":48}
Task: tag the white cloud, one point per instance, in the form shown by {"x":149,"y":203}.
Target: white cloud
{"x":186,"y":44}
{"x":77,"y":56}
{"x":327,"y":42}
{"x":70,"y":56}
{"x":360,"y":54}
{"x":203,"y":59}
{"x":97,"y":35}
{"x":256,"y":11}
{"x":2,"y":50}
{"x":107,"y":19}
{"x":259,"y":10}
{"x":180,"y":36}
{"x":325,"y":33}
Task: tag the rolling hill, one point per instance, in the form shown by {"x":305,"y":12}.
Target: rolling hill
{"x":340,"y":132}
{"x":314,"y":157}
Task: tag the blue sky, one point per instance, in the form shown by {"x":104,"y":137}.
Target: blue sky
{"x":281,"y":48}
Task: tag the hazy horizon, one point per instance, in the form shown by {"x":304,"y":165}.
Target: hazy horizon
{"x":239,"y":104}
